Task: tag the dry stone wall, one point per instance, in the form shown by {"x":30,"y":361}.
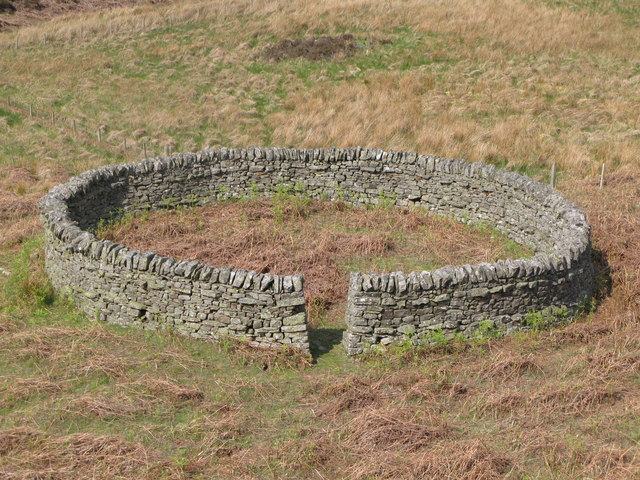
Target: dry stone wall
{"x":120,"y":285}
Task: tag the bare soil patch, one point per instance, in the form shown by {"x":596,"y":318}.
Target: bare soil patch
{"x":314,"y":48}
{"x":322,"y":240}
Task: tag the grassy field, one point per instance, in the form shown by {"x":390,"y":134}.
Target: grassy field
{"x":518,"y":83}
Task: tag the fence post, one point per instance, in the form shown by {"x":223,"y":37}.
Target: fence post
{"x":30,"y":110}
{"x":553,"y":175}
{"x":602,"y":177}
{"x":99,"y":136}
{"x":74,"y":125}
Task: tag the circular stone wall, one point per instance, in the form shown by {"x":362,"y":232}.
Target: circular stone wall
{"x":114,"y":283}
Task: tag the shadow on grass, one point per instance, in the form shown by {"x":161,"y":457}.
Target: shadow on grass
{"x":323,"y":340}
{"x":602,"y":276}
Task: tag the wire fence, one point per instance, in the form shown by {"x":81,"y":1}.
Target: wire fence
{"x":127,"y":147}
{"x":96,"y":134}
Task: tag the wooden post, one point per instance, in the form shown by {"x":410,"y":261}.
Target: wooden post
{"x":30,"y":110}
{"x":99,"y":135}
{"x":553,"y":175}
{"x":602,"y":177}
{"x":74,"y":125}
{"x":53,"y":117}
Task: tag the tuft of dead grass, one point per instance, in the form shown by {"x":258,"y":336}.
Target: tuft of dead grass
{"x":267,"y":358}
{"x":26,"y":453}
{"x":109,"y":407}
{"x":219,"y":431}
{"x":375,"y":430}
{"x":550,"y":402}
{"x":18,"y":388}
{"x":351,"y":393}
{"x":506,"y":365}
{"x":471,"y":459}
{"x":447,"y":460}
{"x":604,"y":363}
{"x":69,"y":346}
{"x":175,"y":392}
{"x":610,"y":463}
{"x":16,"y":437}
{"x":582,"y":333}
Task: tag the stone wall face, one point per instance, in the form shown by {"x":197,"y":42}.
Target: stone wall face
{"x":120,"y":285}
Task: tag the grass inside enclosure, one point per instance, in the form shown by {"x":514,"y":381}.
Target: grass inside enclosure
{"x":321,"y":239}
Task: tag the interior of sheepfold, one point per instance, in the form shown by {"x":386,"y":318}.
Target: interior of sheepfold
{"x":291,"y":232}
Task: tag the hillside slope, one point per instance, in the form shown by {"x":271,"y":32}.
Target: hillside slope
{"x":521,"y":84}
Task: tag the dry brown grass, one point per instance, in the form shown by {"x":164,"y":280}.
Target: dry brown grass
{"x":505,"y":365}
{"x":108,"y":407}
{"x":18,"y":389}
{"x":266,"y":358}
{"x":176,"y":393}
{"x":606,"y":362}
{"x":30,"y":12}
{"x":412,"y":112}
{"x":353,"y":393}
{"x":20,"y":189}
{"x":376,"y":430}
{"x":577,"y":460}
{"x":492,"y":92}
{"x":498,"y":21}
{"x":73,"y":347}
{"x":449,"y":459}
{"x":26,"y":453}
{"x":552,"y":402}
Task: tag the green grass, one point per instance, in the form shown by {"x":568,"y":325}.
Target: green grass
{"x":12,"y":118}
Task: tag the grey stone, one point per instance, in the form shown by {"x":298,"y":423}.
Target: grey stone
{"x":118,"y":282}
